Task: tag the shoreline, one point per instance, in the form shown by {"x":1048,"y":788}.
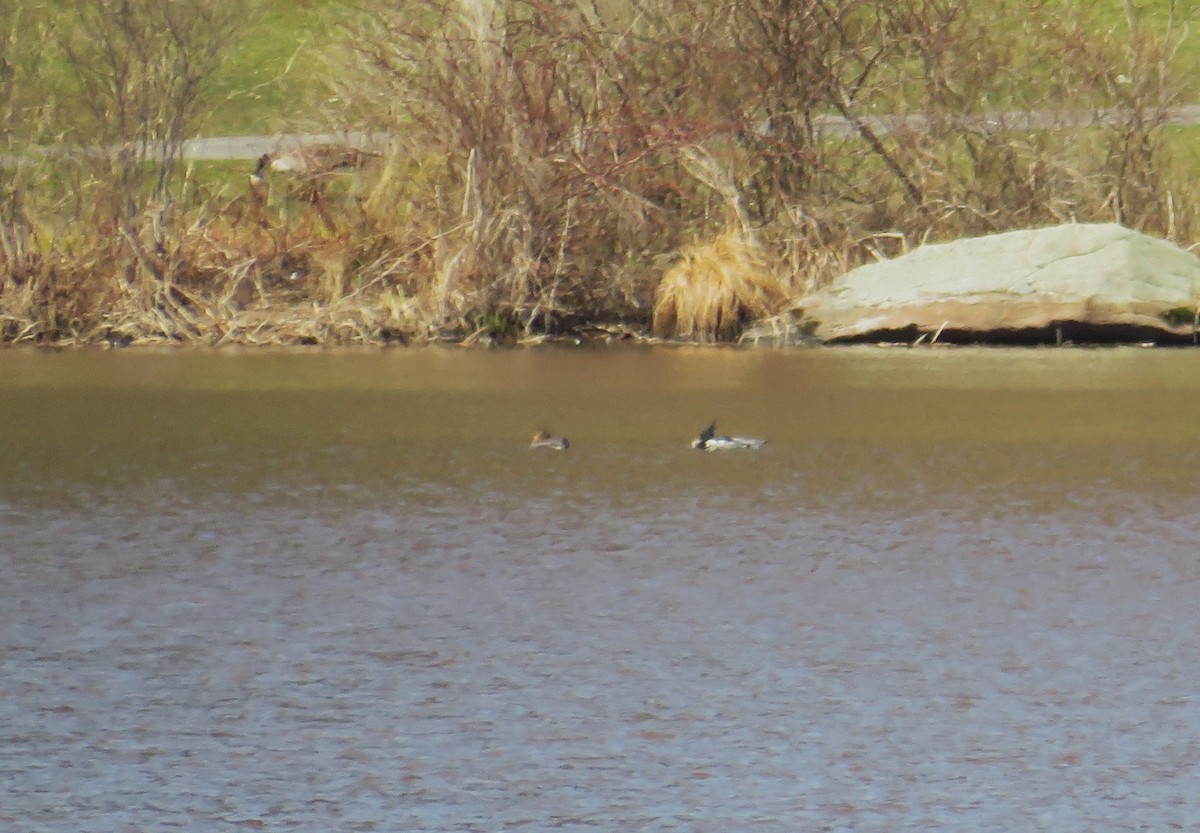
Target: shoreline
{"x":598,"y":337}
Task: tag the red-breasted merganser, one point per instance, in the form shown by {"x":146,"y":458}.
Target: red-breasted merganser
{"x":543,"y":440}
{"x":709,"y":440}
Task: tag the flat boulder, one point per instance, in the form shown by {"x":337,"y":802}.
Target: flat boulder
{"x":1079,"y":282}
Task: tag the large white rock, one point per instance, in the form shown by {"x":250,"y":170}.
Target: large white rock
{"x":1103,"y":276}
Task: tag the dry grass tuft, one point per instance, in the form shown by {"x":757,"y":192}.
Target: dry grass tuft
{"x":716,"y":288}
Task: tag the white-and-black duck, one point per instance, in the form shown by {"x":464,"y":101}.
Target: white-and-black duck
{"x":710,"y":440}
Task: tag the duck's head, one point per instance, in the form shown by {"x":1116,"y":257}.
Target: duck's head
{"x":705,"y":435}
{"x":263,"y":162}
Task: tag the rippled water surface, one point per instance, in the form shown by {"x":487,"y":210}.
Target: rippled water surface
{"x":335,"y":591}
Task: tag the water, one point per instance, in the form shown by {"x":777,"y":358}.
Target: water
{"x":335,"y":591}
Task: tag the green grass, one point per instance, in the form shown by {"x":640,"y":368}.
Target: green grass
{"x":275,"y":74}
{"x":1154,"y":15}
{"x":275,"y":78}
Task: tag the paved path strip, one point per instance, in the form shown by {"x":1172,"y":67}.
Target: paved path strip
{"x":252,"y":147}
{"x":214,"y":148}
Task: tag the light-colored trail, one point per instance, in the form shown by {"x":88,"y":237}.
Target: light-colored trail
{"x":252,"y":147}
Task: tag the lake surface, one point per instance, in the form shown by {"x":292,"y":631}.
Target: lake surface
{"x":957,"y":590}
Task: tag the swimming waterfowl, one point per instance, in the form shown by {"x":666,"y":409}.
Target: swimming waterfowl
{"x":710,"y":440}
{"x":543,"y":440}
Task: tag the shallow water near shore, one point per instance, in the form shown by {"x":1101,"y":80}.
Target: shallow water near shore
{"x":336,"y":591}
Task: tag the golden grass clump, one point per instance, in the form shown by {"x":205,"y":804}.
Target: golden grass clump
{"x":713,"y":289}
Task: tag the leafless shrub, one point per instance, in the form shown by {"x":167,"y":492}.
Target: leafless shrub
{"x":1063,"y":133}
{"x":141,"y":67}
{"x":548,"y":138}
{"x":28,"y":302}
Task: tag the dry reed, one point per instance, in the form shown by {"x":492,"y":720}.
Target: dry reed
{"x":714,"y":289}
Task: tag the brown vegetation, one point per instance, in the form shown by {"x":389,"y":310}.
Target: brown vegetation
{"x":712,"y":290}
{"x":549,"y":162}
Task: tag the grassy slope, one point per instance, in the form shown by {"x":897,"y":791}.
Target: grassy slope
{"x":273,"y":77}
{"x":1156,"y":14}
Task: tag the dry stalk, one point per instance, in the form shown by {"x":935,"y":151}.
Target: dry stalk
{"x":700,"y":163}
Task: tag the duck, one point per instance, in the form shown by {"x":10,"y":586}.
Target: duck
{"x":710,"y":440}
{"x":315,"y":159}
{"x":259,"y":175}
{"x":544,"y":440}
